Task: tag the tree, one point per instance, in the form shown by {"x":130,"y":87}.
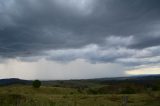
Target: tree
{"x":36,"y":83}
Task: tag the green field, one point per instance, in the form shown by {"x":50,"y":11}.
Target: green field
{"x":26,"y":95}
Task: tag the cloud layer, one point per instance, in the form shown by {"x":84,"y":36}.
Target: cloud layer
{"x":100,"y":31}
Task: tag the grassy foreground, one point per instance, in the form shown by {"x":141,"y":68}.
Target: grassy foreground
{"x":20,"y":95}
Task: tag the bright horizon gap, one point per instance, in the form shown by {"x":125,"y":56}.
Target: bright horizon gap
{"x":79,"y":69}
{"x":144,"y":71}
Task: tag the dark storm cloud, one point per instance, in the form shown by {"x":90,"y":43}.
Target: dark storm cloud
{"x":31,"y":27}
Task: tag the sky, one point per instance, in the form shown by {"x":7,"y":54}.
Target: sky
{"x":79,"y":39}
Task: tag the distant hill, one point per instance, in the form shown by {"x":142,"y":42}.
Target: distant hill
{"x":137,"y":79}
{"x":11,"y":81}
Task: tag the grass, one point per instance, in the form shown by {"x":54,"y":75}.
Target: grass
{"x":20,"y":95}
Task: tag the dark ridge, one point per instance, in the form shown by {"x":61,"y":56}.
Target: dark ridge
{"x":4,"y":82}
{"x":136,"y":79}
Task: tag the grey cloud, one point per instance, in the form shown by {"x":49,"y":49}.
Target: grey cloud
{"x":96,"y":54}
{"x":31,"y":27}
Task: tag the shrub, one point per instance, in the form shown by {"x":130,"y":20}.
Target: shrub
{"x":92,"y":91}
{"x":36,"y":84}
{"x":103,"y":90}
{"x":128,"y":90}
{"x":79,"y":90}
{"x":155,"y":88}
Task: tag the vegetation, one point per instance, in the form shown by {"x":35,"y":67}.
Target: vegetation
{"x":18,"y":95}
{"x":36,"y":84}
{"x":81,"y":93}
